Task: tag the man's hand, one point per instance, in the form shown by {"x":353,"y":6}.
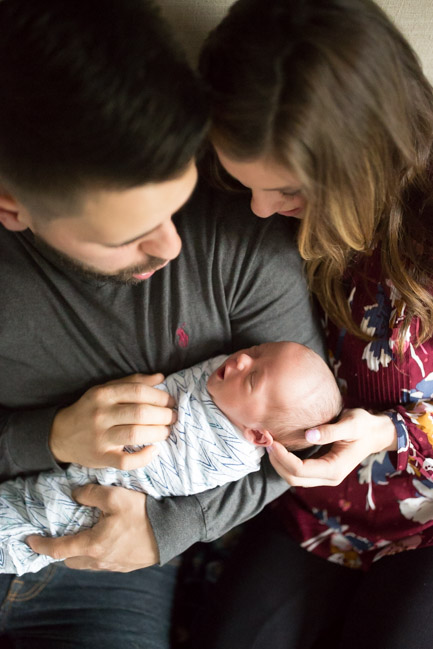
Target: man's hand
{"x":94,"y":430}
{"x":354,"y":437}
{"x":122,"y":540}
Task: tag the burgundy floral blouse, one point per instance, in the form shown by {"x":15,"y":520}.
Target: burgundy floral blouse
{"x":385,"y":505}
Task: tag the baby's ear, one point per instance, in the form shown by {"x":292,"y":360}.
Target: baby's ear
{"x":258,"y":436}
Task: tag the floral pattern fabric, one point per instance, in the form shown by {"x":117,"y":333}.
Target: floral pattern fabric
{"x":385,"y":505}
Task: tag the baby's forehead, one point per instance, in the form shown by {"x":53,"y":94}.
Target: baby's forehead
{"x":291,"y":363}
{"x":280,"y":351}
{"x":274,"y":348}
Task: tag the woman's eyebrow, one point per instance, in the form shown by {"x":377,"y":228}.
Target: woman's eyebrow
{"x":288,"y":188}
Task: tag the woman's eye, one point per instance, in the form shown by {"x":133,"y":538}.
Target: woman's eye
{"x":251,"y":379}
{"x":291,"y":194}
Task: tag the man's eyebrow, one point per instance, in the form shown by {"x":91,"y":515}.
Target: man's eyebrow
{"x":125,"y":243}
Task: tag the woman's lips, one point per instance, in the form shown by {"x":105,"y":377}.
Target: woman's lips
{"x":294,"y":212}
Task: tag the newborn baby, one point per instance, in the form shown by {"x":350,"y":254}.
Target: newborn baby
{"x":228,"y":409}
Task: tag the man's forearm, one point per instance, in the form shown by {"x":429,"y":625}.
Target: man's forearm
{"x":180,"y":522}
{"x":24,"y":442}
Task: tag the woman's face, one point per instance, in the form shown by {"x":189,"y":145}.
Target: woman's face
{"x":274,"y":189}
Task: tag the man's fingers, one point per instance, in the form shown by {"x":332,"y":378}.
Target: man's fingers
{"x":62,"y":547}
{"x":131,"y":391}
{"x":142,"y":414}
{"x":146,"y":379}
{"x":151,"y":379}
{"x":129,"y":461}
{"x":107,"y":499}
{"x":82,"y":563}
{"x":136,"y":435}
{"x":140,"y":458}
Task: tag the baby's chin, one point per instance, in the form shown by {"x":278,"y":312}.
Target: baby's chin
{"x":211,"y":382}
{"x":215,"y":383}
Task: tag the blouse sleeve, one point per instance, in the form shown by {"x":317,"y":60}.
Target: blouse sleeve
{"x":414,"y":425}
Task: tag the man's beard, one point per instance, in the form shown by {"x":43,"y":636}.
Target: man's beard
{"x":125,"y":276}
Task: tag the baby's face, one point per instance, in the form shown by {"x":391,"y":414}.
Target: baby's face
{"x":252,"y":380}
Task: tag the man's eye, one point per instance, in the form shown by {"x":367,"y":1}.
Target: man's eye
{"x":251,"y":378}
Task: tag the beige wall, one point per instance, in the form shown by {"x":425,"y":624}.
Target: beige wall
{"x":193,"y":19}
{"x":415,"y":19}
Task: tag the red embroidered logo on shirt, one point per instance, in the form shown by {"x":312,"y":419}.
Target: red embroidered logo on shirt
{"x":182,"y":336}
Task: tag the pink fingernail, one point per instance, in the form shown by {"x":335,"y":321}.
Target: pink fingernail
{"x":312,"y":435}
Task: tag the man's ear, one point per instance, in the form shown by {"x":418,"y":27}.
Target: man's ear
{"x":258,"y":436}
{"x":10,"y":216}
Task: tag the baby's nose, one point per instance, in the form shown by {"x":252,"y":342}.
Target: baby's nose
{"x":242,"y":361}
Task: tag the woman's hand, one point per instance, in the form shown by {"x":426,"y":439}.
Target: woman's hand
{"x":121,"y":541}
{"x":354,"y":437}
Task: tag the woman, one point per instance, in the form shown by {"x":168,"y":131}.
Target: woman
{"x":321,"y":110}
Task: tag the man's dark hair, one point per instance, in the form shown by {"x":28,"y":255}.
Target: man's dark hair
{"x":95,"y":93}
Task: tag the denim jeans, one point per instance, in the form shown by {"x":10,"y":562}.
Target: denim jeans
{"x":59,"y":608}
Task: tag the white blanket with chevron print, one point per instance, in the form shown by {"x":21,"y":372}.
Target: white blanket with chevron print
{"x":204,"y":450}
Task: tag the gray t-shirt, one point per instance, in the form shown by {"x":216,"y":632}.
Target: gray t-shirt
{"x":237,"y":282}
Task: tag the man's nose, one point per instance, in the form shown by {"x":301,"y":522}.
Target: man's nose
{"x":263,"y":204}
{"x":166,"y":242}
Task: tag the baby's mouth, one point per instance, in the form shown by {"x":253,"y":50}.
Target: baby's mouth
{"x":221,"y":372}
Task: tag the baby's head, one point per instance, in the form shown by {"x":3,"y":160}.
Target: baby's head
{"x":276,"y":391}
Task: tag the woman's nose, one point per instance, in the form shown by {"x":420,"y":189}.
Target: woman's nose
{"x":264,"y":204}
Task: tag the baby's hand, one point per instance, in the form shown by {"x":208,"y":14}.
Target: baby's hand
{"x":354,"y":437}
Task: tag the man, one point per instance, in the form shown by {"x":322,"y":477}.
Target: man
{"x":100,"y":121}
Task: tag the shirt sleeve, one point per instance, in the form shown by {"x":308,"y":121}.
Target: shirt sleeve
{"x":24,"y":444}
{"x":414,"y":438}
{"x":181,"y":521}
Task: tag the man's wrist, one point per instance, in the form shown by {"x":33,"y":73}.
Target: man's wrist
{"x":177,"y":523}
{"x":55,"y":438}
{"x":154,"y":550}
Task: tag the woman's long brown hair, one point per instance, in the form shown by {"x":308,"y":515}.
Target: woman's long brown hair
{"x":332,"y":90}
